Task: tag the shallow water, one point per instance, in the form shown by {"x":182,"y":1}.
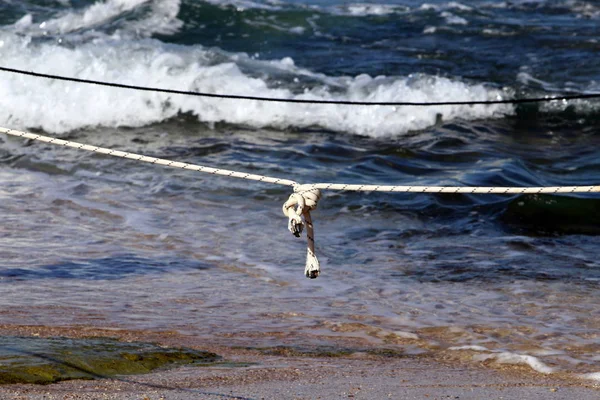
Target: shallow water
{"x":91,"y":240}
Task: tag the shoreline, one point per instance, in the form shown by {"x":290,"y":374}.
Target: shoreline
{"x":249,"y":373}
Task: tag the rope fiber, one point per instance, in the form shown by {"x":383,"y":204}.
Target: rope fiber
{"x":304,"y":101}
{"x":305,"y":196}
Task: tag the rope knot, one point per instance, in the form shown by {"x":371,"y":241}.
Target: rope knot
{"x":298,"y":206}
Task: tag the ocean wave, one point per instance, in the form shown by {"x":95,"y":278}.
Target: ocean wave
{"x":63,"y":106}
{"x":158,"y":17}
{"x":581,"y":8}
{"x":118,"y":47}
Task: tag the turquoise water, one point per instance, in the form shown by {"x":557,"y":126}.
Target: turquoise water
{"x":93,"y":241}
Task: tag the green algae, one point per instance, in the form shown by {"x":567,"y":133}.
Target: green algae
{"x":49,"y":360}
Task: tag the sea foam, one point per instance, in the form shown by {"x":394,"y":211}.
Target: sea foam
{"x":594,"y":376}
{"x":56,"y":106}
{"x":512,"y":358}
{"x":504,"y":357}
{"x":159,"y":16}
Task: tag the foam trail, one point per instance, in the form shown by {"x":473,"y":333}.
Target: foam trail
{"x":512,"y":358}
{"x":506,"y":358}
{"x":468,"y":347}
{"x":594,"y":376}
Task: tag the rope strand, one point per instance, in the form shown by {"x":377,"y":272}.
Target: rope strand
{"x":309,"y":186}
{"x":151,"y":160}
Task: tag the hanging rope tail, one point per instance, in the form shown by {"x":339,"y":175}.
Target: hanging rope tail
{"x":298,"y":206}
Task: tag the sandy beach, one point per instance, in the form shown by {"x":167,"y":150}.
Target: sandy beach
{"x":252,"y":374}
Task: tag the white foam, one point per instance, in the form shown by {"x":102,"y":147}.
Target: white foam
{"x":586,"y":9}
{"x":594,"y":376}
{"x":547,"y":352}
{"x":241,"y":5}
{"x":459,"y":6}
{"x":298,"y":30}
{"x":452,"y":19}
{"x":512,"y":358}
{"x":406,"y":335}
{"x":582,"y":9}
{"x":469,"y":347}
{"x":453,"y":5}
{"x":428,"y":6}
{"x":527,"y":79}
{"x":162,"y":18}
{"x":498,"y":32}
{"x":348,"y":9}
{"x":365,"y":9}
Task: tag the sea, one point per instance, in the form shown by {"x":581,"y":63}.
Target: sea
{"x":94,"y":241}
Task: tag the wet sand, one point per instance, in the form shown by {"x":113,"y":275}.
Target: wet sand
{"x":252,"y":374}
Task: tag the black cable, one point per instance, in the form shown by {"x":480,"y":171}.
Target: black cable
{"x":338,"y":102}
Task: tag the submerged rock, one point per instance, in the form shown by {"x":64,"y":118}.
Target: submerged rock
{"x":551,"y":214}
{"x":48,"y":360}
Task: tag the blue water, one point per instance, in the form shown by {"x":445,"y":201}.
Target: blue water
{"x":92,"y":241}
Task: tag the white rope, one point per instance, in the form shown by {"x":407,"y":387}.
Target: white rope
{"x":457,"y":189}
{"x":305,"y":197}
{"x":151,"y":160}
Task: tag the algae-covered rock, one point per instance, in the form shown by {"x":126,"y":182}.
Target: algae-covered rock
{"x":48,"y":360}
